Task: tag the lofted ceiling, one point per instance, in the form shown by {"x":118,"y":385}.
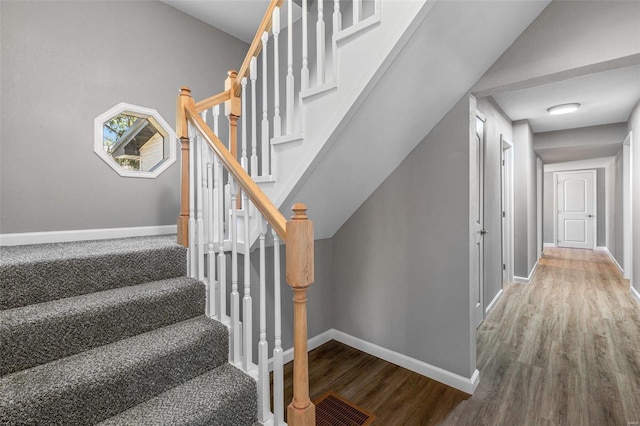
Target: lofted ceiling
{"x":240,"y":18}
{"x":606,"y":98}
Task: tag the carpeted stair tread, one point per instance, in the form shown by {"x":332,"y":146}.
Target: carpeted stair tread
{"x":97,"y":384}
{"x":39,"y":273}
{"x":221,"y":397}
{"x":37,"y":334}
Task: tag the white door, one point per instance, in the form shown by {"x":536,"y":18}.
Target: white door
{"x":576,"y":207}
{"x":478,"y":231}
{"x":507,"y":209}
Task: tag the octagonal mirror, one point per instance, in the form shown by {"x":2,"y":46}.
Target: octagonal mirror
{"x":134,"y":141}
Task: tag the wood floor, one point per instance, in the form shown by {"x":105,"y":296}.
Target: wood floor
{"x":562,"y":350}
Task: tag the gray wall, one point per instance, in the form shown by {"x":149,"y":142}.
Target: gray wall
{"x":547,"y":209}
{"x":634,"y":126}
{"x":617,"y":249}
{"x":64,"y":63}
{"x":497,"y":124}
{"x":567,"y":39}
{"x":401,"y":262}
{"x":525,"y":199}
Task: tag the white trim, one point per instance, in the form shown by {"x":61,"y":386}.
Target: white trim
{"x":464,"y":384}
{"x":613,"y":259}
{"x":527,"y":280}
{"x":314,"y":342}
{"x":635,"y":294}
{"x":344,"y":35}
{"x":627,"y":207}
{"x":294,"y":137}
{"x":549,"y":245}
{"x":308,"y":94}
{"x":83,"y":234}
{"x":507,"y":201}
{"x":493,"y":303}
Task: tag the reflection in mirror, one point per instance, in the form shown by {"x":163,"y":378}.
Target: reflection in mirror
{"x":134,"y":141}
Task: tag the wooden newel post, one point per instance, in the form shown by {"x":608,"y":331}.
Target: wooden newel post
{"x":182,"y":131}
{"x":301,"y":411}
{"x":233,"y":109}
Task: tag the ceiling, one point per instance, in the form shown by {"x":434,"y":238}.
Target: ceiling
{"x":605,"y":97}
{"x":240,"y":18}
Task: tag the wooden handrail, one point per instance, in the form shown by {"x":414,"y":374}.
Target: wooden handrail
{"x":213,"y":101}
{"x":256,"y":44}
{"x":259,"y":199}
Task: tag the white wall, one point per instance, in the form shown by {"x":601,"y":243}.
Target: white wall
{"x":63,"y":64}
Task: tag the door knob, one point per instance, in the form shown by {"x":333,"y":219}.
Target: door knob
{"x":589,"y":215}
{"x":484,"y":232}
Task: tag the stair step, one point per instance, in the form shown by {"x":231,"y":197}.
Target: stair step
{"x":92,"y":386}
{"x":221,"y":397}
{"x":37,"y":334}
{"x":40,"y":273}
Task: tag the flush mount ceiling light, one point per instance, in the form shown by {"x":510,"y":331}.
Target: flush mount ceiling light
{"x":563,"y":109}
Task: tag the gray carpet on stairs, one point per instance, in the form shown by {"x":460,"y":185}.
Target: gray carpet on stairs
{"x":39,"y":273}
{"x":36,"y":334}
{"x":94,"y":385}
{"x":216,"y":398}
{"x":112,"y":331}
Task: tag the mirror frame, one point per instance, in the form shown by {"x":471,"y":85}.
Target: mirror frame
{"x":155,"y":119}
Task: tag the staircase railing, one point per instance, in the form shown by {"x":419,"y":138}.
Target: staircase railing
{"x":218,"y":221}
{"x":223,"y":209}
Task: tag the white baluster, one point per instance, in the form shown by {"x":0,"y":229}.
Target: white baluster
{"x":278,"y":372}
{"x":253,"y":75}
{"x":357,"y":11}
{"x":290,"y":79}
{"x":265,"y":119}
{"x":221,"y":311}
{"x":263,"y":347}
{"x":243,"y":158}
{"x":277,"y":121}
{"x":320,"y":43}
{"x":207,"y":188}
{"x":247,"y":303}
{"x":304,"y":73}
{"x":211,"y":255}
{"x":199,"y":213}
{"x":193,"y":254}
{"x":235,"y":296}
{"x":216,"y":170}
{"x":337,"y":27}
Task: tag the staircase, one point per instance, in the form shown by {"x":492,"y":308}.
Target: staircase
{"x":113,"y":332}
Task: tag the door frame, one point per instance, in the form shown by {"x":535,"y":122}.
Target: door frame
{"x":479,"y":308}
{"x":627,"y":200}
{"x":507,"y":207}
{"x":595,"y":203}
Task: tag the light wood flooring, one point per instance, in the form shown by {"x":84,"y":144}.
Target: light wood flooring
{"x":562,"y":350}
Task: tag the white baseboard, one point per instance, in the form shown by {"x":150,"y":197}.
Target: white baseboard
{"x":613,"y":259}
{"x":548,"y":245}
{"x":464,"y":384}
{"x":635,"y":294}
{"x":527,"y":280}
{"x":436,"y":373}
{"x":19,"y":239}
{"x":493,"y":303}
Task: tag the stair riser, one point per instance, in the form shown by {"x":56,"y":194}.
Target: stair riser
{"x":37,"y":282}
{"x":38,"y":340}
{"x":98,"y":394}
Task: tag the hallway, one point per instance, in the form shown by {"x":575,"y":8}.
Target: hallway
{"x":563,"y":350}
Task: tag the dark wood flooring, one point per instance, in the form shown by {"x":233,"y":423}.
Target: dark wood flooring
{"x":562,"y":350}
